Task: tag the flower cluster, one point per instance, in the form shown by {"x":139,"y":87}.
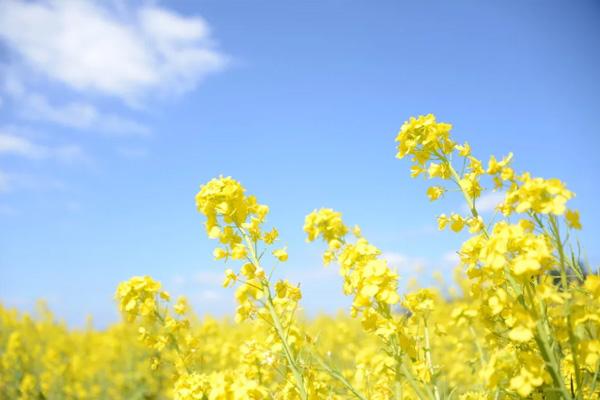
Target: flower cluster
{"x":366,"y":276}
{"x":237,"y":220}
{"x":139,"y":296}
{"x":523,"y":282}
{"x":523,"y":321}
{"x":228,"y":210}
{"x":536,"y":195}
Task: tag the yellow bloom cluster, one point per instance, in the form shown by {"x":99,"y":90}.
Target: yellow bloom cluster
{"x":542,"y":196}
{"x":228,"y":210}
{"x":237,"y":221}
{"x":366,"y":276}
{"x":508,"y":246}
{"x":523,"y":323}
{"x":522,"y":280}
{"x":42,"y":359}
{"x":138,"y":297}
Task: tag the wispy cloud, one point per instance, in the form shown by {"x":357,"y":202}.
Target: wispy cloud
{"x":407,"y":265}
{"x":403,"y":262}
{"x":126,"y":53}
{"x":204,"y":291}
{"x":75,"y":114}
{"x":11,"y":181}
{"x":423,"y":272}
{"x":11,"y":144}
{"x":489,"y":201}
{"x":94,"y":66}
{"x":451,"y":258}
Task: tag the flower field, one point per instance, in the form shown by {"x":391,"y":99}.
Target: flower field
{"x":525,"y":323}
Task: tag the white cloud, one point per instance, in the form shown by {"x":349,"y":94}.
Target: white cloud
{"x":63,"y":56}
{"x":489,"y":201}
{"x":409,"y":265}
{"x":19,"y":146}
{"x":451,"y":258}
{"x":402,"y":262}
{"x":12,"y":144}
{"x":81,"y":115}
{"x":434,"y":271}
{"x":129,"y":55}
{"x":11,"y":181}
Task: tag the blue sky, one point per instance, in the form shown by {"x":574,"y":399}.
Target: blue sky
{"x":113,"y":114}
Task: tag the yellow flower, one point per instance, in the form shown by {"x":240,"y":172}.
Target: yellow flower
{"x":435,"y":192}
{"x":219,"y":253}
{"x":438,"y":171}
{"x":532,"y":374}
{"x":494,"y":166}
{"x":182,"y":306}
{"x":271,"y":236}
{"x":281,"y":254}
{"x":421,"y":302}
{"x":416,"y":170}
{"x":230,"y":278}
{"x":325,"y":222}
{"x":442,"y":222}
{"x":522,"y":322}
{"x":138,"y":297}
{"x":475,"y":224}
{"x":589,"y":353}
{"x":520,"y":334}
{"x":470,"y":185}
{"x":463,"y":150}
{"x":456,"y":222}
{"x":239,"y":252}
{"x":572,"y":217}
{"x":422,"y":136}
{"x":544,"y":196}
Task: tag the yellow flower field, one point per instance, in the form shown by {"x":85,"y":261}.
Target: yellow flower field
{"x":525,"y":323}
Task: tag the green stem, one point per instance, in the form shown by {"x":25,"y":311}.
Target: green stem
{"x":470,"y":201}
{"x":286,"y":348}
{"x":413,"y":383}
{"x":339,"y":377}
{"x":542,"y":337}
{"x":595,"y":379}
{"x":281,"y":333}
{"x":173,"y":341}
{"x":565,"y":286}
{"x":401,"y":370}
{"x":428,"y":358}
{"x":482,"y":358}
